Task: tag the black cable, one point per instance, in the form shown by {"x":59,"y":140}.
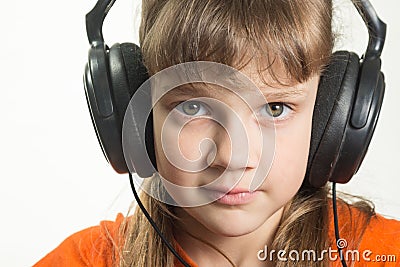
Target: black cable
{"x":139,"y":202}
{"x":335,"y":221}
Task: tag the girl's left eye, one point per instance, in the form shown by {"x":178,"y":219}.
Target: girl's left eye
{"x":192,"y":108}
{"x":276,"y":110}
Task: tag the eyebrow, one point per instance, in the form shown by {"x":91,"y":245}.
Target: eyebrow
{"x":207,"y":90}
{"x":282,"y":93}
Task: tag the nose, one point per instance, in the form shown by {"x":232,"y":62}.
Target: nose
{"x":237,"y":144}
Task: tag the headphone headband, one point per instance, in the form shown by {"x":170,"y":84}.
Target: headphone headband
{"x":376,"y":28}
{"x":95,"y":19}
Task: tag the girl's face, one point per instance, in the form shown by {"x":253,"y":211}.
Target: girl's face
{"x":241,"y":210}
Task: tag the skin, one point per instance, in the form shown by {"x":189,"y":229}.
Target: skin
{"x":239,"y":231}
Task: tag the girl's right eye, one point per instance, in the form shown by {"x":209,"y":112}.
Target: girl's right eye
{"x":192,"y":108}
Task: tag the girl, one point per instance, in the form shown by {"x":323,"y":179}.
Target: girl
{"x":283,"y":47}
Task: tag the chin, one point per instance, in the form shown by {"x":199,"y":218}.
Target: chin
{"x":235,"y":224}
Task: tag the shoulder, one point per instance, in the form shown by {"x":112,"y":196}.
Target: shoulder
{"x":94,"y":246}
{"x":382,"y":237}
{"x":373,"y":239}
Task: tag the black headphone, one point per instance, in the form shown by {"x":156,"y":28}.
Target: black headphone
{"x":347,"y":107}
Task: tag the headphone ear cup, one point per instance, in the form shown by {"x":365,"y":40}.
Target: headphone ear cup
{"x":127,"y":74}
{"x":101,"y":105}
{"x":336,"y":91}
{"x":362,"y":122}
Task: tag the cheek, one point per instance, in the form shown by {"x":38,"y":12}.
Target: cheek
{"x":178,"y":151}
{"x":168,"y":163}
{"x":290,"y":160}
{"x":292,"y":146}
{"x":287,"y":172}
{"x":291,"y":155}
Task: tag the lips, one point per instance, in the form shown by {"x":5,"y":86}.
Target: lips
{"x":236,"y":196}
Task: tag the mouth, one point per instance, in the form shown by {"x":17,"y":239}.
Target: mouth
{"x":233,"y":197}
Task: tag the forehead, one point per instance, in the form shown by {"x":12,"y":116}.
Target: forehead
{"x":213,"y":79}
{"x":215,"y":91}
{"x":259,"y":88}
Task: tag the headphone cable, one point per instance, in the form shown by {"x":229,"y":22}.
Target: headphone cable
{"x":336,"y":223}
{"x":153,"y":224}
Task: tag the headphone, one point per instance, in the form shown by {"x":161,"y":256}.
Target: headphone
{"x":347,"y":107}
{"x":346,"y":111}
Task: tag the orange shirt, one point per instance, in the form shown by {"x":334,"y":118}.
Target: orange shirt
{"x":379,"y":247}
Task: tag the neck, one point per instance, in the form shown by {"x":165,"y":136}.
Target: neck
{"x":207,"y":248}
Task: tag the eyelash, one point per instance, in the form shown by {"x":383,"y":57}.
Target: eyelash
{"x":287,"y":111}
{"x":288,"y":108}
{"x":179,"y":108}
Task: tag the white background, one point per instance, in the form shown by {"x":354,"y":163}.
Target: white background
{"x":54,"y":179}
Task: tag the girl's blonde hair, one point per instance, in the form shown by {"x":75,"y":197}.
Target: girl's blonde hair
{"x":295,"y":34}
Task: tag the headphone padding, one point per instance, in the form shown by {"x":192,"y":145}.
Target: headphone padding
{"x":331,"y":114}
{"x":136,"y":74}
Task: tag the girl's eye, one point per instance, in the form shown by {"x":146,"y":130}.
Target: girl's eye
{"x":192,"y":108}
{"x":276,"y":110}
